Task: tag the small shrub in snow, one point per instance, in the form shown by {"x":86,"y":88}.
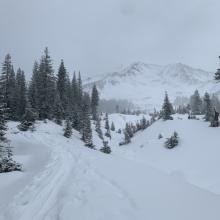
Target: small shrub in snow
{"x":119,"y":131}
{"x":214,"y":119}
{"x":105,"y":149}
{"x":160,"y":136}
{"x":7,"y":164}
{"x":173,"y":141}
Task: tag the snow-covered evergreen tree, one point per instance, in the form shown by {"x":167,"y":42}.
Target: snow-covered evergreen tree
{"x":207,"y":107}
{"x":173,"y":141}
{"x":68,"y":128}
{"x":58,"y":110}
{"x":98,"y":128}
{"x":167,"y":108}
{"x":196,"y":103}
{"x":94,"y":102}
{"x":112,"y":126}
{"x":105,"y":149}
{"x":86,"y":123}
{"x":107,"y":127}
{"x":127,"y":139}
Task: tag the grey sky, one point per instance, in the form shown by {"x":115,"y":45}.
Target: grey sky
{"x":97,"y":36}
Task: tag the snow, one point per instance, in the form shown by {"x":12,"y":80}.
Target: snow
{"x":145,"y":84}
{"x":62,"y":179}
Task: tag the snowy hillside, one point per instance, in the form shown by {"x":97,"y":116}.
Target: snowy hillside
{"x":63,"y":179}
{"x":145,"y":84}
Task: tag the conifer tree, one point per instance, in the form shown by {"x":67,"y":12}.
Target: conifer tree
{"x":217,"y":74}
{"x":20,"y":89}
{"x":105,"y":149}
{"x":94,"y":103}
{"x":112,"y":127}
{"x":68,"y":128}
{"x":63,"y":87}
{"x":107,"y":127}
{"x":167,"y":108}
{"x":98,"y":128}
{"x":46,"y":87}
{"x":208,"y":108}
{"x":196,"y":103}
{"x":127,"y":139}
{"x":86,"y":123}
{"x":58,"y":110}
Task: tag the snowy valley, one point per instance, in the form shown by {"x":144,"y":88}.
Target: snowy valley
{"x":63,"y":179}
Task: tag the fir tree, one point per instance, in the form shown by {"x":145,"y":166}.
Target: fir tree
{"x":105,"y":149}
{"x":196,"y":103}
{"x":208,"y":108}
{"x":127,"y":139}
{"x":173,"y":141}
{"x":94,"y":103}
{"x":107,"y":127}
{"x":217,"y":74}
{"x":86,"y":123}
{"x":58,"y":110}
{"x":167,"y":108}
{"x":20,"y":89}
{"x":46,"y":87}
{"x":98,"y":128}
{"x":68,"y":129}
{"x":112,"y":127}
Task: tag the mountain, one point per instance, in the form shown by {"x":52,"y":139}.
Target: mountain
{"x":145,"y":84}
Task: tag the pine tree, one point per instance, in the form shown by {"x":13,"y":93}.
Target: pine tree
{"x":208,"y":108}
{"x":58,"y":110}
{"x":217,"y":74}
{"x":112,"y":127}
{"x":46,"y":87}
{"x":105,"y":149}
{"x":68,"y":129}
{"x":20,"y":89}
{"x":33,"y":88}
{"x":128,"y":130}
{"x":63,"y":87}
{"x":143,"y":123}
{"x":196,"y":103}
{"x":7,"y":164}
{"x":173,"y":141}
{"x":167,"y":108}
{"x":107,"y":127}
{"x":94,"y":102}
{"x":98,"y":128}
{"x":86,"y":123}
{"x":127,"y":139}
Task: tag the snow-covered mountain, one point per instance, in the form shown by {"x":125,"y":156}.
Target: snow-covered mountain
{"x":145,"y":84}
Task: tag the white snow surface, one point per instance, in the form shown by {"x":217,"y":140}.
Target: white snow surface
{"x":145,"y":84}
{"x":62,"y":179}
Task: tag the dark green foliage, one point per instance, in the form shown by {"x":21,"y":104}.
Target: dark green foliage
{"x":105,"y":149}
{"x":107,"y":127}
{"x":127,"y":139}
{"x":58,"y":110}
{"x":86,"y":123}
{"x":112,"y":127}
{"x":172,"y":142}
{"x":167,"y":108}
{"x":215,"y":119}
{"x":196,"y":103}
{"x":94,"y":102}
{"x":67,"y":129}
{"x":207,"y":107}
{"x":98,"y":128}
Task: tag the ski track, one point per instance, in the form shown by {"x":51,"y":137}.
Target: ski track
{"x":65,"y":179}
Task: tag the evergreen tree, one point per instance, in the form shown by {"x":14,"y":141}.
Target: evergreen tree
{"x":105,"y":149}
{"x":143,"y":123}
{"x":46,"y":87}
{"x":128,"y":130}
{"x":68,"y":129}
{"x":58,"y":110}
{"x":86,"y":123}
{"x":98,"y":128}
{"x":63,"y":87}
{"x":217,"y":74}
{"x":107,"y":127}
{"x":112,"y":127}
{"x":208,"y":108}
{"x":173,"y":141}
{"x":127,"y":139}
{"x":34,"y":88}
{"x":94,"y":103}
{"x":20,"y":89}
{"x":167,"y":108}
{"x":196,"y":103}
{"x":7,"y":164}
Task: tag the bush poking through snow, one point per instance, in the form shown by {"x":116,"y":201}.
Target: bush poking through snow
{"x":173,"y":141}
{"x":160,"y":136}
{"x":7,"y":164}
{"x":105,"y":149}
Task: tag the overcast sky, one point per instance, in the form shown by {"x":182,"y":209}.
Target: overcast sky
{"x":98,"y":36}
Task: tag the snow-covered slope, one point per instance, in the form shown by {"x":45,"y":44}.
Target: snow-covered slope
{"x":142,"y":180}
{"x":145,"y":84}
